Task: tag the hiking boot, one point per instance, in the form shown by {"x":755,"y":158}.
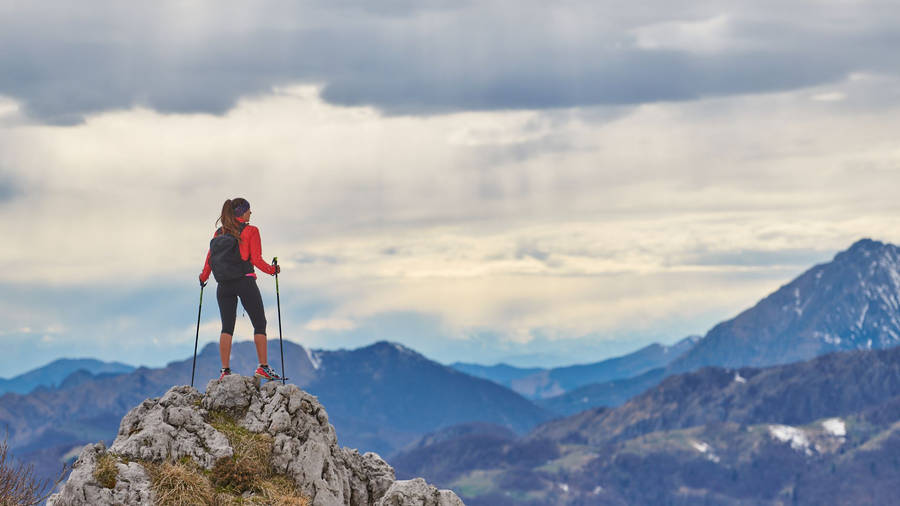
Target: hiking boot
{"x":225,"y":371}
{"x":266,"y":372}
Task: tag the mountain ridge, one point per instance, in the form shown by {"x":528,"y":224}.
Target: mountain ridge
{"x":55,"y":372}
{"x":711,"y":436}
{"x":378,"y":414}
{"x":851,"y":302}
{"x":538,"y":383}
{"x":782,"y":393}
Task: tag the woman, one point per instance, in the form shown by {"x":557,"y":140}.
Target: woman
{"x":233,"y":251}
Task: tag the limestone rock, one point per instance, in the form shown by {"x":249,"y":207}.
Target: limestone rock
{"x":417,"y":493}
{"x":170,"y":428}
{"x":132,"y":483}
{"x":305,"y":448}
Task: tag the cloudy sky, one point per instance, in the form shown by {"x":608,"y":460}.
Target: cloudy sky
{"x":530,"y":182}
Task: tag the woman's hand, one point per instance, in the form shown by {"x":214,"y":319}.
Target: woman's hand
{"x":277,"y":269}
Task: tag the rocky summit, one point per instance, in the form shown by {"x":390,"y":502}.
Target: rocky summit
{"x":239,"y":443}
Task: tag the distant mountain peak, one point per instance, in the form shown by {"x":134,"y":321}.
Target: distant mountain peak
{"x":867,"y":244}
{"x":864,"y":249}
{"x":56,"y":372}
{"x":392,"y":347}
{"x":682,"y":345}
{"x":852,"y":302}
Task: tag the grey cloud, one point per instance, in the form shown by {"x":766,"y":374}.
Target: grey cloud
{"x":755,"y":258}
{"x":7,"y":192}
{"x":534,"y":252}
{"x":411,"y":58}
{"x":10,"y":188}
{"x":399,"y":8}
{"x":636,"y":77}
{"x":311,"y":258}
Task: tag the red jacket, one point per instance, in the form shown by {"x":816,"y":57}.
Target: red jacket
{"x":250,"y":248}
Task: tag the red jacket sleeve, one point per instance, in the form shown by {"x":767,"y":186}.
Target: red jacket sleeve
{"x":251,"y":248}
{"x":206,"y":269}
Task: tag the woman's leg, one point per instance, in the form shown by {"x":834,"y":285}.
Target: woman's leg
{"x":227,"y":298}
{"x":252,"y":302}
{"x":225,"y":349}
{"x":261,"y":351}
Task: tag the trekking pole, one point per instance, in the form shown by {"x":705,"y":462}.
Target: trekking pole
{"x":197,"y":337}
{"x":278,"y":299}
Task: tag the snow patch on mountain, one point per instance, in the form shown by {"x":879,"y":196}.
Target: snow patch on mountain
{"x":705,"y":449}
{"x":828,"y":439}
{"x":313,"y":357}
{"x":793,"y":435}
{"x":700,"y":446}
{"x":828,"y":338}
{"x":835,"y":427}
{"x":862,"y":316}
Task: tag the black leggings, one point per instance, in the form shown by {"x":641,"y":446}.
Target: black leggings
{"x":245,"y":288}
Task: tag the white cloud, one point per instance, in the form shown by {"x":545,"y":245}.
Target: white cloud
{"x":829,"y":96}
{"x":10,"y":111}
{"x":319,"y":324}
{"x":709,"y":35}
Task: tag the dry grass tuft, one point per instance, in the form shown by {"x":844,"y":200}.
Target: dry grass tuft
{"x":249,"y":471}
{"x":251,"y":450}
{"x":281,"y":491}
{"x":106,"y":471}
{"x":179,"y":484}
{"x":184,"y":483}
{"x":271,"y":495}
{"x":234,"y":476}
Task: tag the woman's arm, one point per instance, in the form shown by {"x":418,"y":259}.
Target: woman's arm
{"x":206,"y":269}
{"x":256,"y":250}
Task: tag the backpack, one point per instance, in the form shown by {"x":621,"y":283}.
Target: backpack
{"x":225,"y":257}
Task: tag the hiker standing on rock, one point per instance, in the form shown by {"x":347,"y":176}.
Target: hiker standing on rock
{"x":233,"y":251}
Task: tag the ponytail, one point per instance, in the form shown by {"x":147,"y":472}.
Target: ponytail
{"x":229,"y":221}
